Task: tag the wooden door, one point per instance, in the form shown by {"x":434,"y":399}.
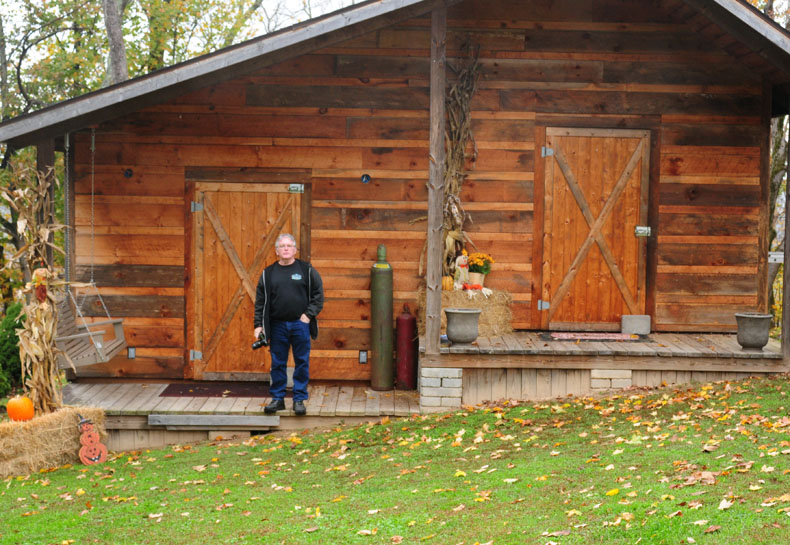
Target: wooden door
{"x":595,"y":191}
{"x":233,"y":240}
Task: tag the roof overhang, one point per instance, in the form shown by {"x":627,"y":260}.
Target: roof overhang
{"x":737,"y":17}
{"x":162,"y":85}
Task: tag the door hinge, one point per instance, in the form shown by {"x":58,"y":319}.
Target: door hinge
{"x":196,"y":206}
{"x":195,"y":355}
{"x":546,"y":152}
{"x":296,"y":188}
{"x":543,"y":305}
{"x":642,"y":231}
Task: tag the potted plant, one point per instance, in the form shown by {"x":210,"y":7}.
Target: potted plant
{"x":479,"y":267}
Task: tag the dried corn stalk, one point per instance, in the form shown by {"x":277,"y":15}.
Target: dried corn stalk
{"x":30,"y":199}
{"x":458,"y":137}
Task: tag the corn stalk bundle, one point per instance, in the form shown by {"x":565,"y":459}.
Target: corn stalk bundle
{"x":458,"y":136}
{"x":30,"y":198}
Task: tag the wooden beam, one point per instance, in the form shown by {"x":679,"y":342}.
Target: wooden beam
{"x":786,"y":274}
{"x":433,"y":297}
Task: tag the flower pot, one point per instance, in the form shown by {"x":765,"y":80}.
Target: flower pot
{"x":477,"y":279}
{"x":462,"y":324}
{"x":753,"y":329}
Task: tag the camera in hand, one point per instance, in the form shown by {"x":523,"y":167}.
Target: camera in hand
{"x":260,"y":342}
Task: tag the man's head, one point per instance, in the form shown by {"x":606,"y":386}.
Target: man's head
{"x":285,"y":248}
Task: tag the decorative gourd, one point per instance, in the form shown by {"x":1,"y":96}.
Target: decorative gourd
{"x":20,"y":408}
{"x":447,"y":283}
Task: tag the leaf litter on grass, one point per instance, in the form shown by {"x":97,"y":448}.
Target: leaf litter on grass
{"x":660,"y":466}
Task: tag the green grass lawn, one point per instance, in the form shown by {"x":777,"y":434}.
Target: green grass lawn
{"x":707,"y":464}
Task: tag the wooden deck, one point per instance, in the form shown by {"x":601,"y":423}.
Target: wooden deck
{"x":129,"y":405}
{"x":678,"y":351}
{"x":527,"y":366}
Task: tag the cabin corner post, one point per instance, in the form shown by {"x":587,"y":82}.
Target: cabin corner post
{"x":433,"y":294}
{"x":45,"y":166}
{"x":785,"y":275}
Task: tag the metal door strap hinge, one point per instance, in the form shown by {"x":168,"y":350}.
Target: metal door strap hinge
{"x":546,"y":152}
{"x":543,"y":305}
{"x":196,"y":206}
{"x":642,"y":231}
{"x":195,"y":355}
{"x":296,"y":188}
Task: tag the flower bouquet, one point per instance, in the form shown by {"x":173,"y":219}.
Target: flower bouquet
{"x":479,"y":266}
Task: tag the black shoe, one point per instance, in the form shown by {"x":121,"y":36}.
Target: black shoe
{"x":274,"y":406}
{"x":299,"y":408}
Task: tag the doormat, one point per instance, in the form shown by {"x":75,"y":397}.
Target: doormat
{"x":586,"y":336}
{"x":218,"y":389}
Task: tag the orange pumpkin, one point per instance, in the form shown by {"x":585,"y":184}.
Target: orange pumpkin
{"x":20,"y":408}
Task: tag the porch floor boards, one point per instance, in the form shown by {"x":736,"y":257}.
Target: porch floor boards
{"x":680,"y":351}
{"x":140,"y":399}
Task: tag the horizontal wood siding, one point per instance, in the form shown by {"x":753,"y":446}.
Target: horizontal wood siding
{"x":362,"y":107}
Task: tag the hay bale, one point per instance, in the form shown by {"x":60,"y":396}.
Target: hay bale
{"x":495,"y":316}
{"x":47,"y":441}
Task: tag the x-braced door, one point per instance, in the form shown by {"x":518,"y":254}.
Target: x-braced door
{"x":594,"y":252}
{"x":234,"y":229}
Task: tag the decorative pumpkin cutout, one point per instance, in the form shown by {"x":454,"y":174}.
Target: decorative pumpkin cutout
{"x":92,"y":451}
{"x":20,"y":408}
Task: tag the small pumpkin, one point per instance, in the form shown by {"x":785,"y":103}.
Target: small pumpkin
{"x":20,"y":408}
{"x":447,"y":283}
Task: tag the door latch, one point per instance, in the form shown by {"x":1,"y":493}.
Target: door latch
{"x":642,"y":231}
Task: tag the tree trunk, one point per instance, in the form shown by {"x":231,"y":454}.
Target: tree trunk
{"x":117,"y":70}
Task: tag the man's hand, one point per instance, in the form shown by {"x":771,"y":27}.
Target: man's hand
{"x":304,"y":318}
{"x":258,"y":332}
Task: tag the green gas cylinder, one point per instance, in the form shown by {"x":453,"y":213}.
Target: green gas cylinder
{"x":382,"y":368}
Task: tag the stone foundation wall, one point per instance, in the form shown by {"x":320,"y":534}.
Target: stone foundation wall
{"x":440,"y":389}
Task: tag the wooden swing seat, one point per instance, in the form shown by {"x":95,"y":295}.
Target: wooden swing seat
{"x":83,"y":346}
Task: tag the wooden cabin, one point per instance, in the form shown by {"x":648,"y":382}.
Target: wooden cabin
{"x":591,"y":118}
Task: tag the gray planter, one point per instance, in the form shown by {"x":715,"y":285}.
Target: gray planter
{"x":753,"y":329}
{"x":462,"y":324}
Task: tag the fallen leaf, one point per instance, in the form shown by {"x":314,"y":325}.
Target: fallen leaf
{"x":725,"y":504}
{"x":711,"y":529}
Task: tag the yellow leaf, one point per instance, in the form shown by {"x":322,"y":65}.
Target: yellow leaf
{"x":613,"y":492}
{"x":460,"y":473}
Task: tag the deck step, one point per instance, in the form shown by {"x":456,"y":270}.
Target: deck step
{"x":182,"y":422}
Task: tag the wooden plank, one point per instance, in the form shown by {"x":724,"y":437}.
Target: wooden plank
{"x":212,"y":421}
{"x":670,"y":342}
{"x":344,"y":397}
{"x":358,"y":402}
{"x":124,"y":396}
{"x":402,"y":403}
{"x":529,"y":384}
{"x":372,"y":403}
{"x":543,"y":384}
{"x":387,"y":403}
{"x":512,"y":343}
{"x":498,"y":384}
{"x":559,"y":382}
{"x":256,"y":405}
{"x":142,"y":402}
{"x":316,"y":397}
{"x":513,"y":380}
{"x":329,"y":403}
{"x":82,"y":394}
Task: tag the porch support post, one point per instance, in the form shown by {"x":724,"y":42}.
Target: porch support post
{"x":786,"y":266}
{"x":45,"y":165}
{"x":433,"y":293}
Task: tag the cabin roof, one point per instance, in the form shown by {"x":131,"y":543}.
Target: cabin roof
{"x":766,"y":51}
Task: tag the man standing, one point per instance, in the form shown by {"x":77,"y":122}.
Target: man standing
{"x":287,"y":301}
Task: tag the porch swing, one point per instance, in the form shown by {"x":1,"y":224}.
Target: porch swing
{"x":80,"y":343}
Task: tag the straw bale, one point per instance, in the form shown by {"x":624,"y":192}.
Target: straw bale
{"x":495,"y":316}
{"x":47,"y":441}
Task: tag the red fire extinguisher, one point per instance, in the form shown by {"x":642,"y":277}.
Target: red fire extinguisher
{"x":406,"y":351}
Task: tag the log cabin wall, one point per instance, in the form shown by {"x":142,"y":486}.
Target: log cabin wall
{"x":362,"y":107}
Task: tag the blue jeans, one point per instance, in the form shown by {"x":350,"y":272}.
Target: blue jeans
{"x":290,"y":335}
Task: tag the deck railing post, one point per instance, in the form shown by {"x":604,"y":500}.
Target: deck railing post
{"x":785,"y":274}
{"x":433,"y":293}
